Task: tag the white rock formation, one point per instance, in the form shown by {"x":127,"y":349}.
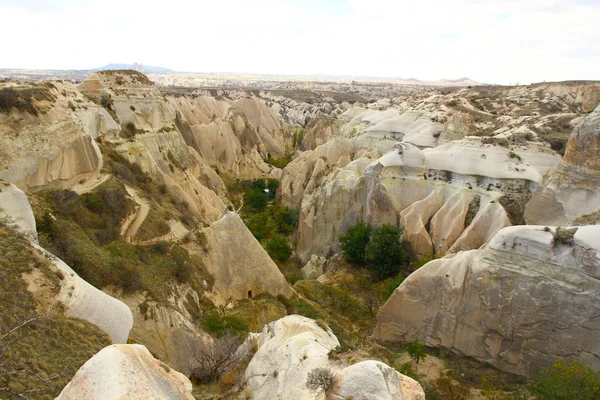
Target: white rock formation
{"x":314,"y":267}
{"x":126,"y":372}
{"x":290,"y":348}
{"x":81,"y":300}
{"x":529,"y":297}
{"x":374,"y":380}
{"x":239,"y":264}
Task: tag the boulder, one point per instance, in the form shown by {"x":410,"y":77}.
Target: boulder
{"x":573,"y":189}
{"x":374,"y":380}
{"x":314,"y":267}
{"x":126,"y":371}
{"x":526,"y":299}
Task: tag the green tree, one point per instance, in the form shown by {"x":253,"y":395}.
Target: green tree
{"x":416,"y":351}
{"x":567,"y":380}
{"x":384,"y":252}
{"x":354,"y":243}
{"x":279,"y":249}
{"x":256,"y":200}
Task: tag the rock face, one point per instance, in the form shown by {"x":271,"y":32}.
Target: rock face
{"x":239,"y":264}
{"x":529,"y":297}
{"x":573,"y":188}
{"x":80,"y":299}
{"x":288,"y":349}
{"x":51,"y":142}
{"x":448,"y":198}
{"x":126,"y":372}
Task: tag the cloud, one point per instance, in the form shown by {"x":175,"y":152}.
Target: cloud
{"x":501,"y":41}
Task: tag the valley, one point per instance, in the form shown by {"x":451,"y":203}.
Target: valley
{"x":248,"y":237}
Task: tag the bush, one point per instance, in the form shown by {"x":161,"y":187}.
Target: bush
{"x":161,"y":247}
{"x":287,"y":220}
{"x":416,"y":351}
{"x":354,"y":243}
{"x":279,"y":248}
{"x":319,"y":380}
{"x":256,"y":199}
{"x":567,"y":380}
{"x":384,"y":252}
{"x":221,"y":325}
{"x":106,"y":101}
{"x":212,"y":358}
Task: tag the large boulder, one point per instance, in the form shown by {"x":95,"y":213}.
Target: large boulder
{"x":529,"y":297}
{"x":126,"y":372}
{"x":241,"y":267}
{"x":573,"y":188}
{"x":290,"y":348}
{"x":374,"y":380}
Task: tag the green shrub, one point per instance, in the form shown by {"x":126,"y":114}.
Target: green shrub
{"x":256,"y":199}
{"x":279,"y":162}
{"x":566,"y":380}
{"x":416,"y":351}
{"x":106,"y":101}
{"x":286,"y":220}
{"x":279,"y":248}
{"x":161,"y":247}
{"x":219,"y":325}
{"x":319,"y":380}
{"x":384,"y":252}
{"x":354,"y":243}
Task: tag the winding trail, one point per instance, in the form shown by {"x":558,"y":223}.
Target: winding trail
{"x":90,"y":184}
{"x":132,"y":225}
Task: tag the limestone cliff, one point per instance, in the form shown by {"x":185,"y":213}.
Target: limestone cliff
{"x":526,"y":299}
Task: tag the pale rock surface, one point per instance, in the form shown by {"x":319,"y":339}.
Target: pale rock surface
{"x":126,"y":372}
{"x":520,"y":303}
{"x":239,"y":264}
{"x":56,"y":147}
{"x":80,"y":299}
{"x":288,"y":349}
{"x":320,"y":131}
{"x":573,"y":188}
{"x":374,"y":380}
{"x":314,"y":267}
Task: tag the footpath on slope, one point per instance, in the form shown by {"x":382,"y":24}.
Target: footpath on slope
{"x":90,"y":184}
{"x":132,"y":224}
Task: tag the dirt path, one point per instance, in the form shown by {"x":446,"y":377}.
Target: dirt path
{"x":90,"y":184}
{"x":177,"y":232}
{"x":131,"y":226}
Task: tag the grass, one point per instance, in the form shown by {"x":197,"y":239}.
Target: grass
{"x":24,"y":98}
{"x":156,"y":224}
{"x":54,"y":345}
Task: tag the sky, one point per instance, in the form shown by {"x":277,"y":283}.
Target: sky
{"x":492,"y":41}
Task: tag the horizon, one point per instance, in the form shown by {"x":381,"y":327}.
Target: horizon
{"x":507,"y":42}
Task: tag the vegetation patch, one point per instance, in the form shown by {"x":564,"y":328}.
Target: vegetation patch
{"x":53,"y":347}
{"x":24,"y":98}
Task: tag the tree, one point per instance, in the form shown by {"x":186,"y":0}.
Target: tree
{"x":384,"y":252}
{"x":354,"y":243}
{"x":567,"y":380}
{"x":256,"y":200}
{"x":279,"y":248}
{"x":211,"y":358}
{"x":416,"y":351}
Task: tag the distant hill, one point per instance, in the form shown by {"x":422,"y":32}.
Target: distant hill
{"x":136,"y":66}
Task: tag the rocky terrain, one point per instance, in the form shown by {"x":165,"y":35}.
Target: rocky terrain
{"x":176,"y":217}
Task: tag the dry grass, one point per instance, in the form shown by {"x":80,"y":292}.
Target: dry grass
{"x":54,"y":345}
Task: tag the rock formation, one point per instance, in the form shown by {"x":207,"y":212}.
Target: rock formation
{"x":241,"y":267}
{"x":288,"y":349}
{"x":126,"y":372}
{"x":573,"y":188}
{"x":529,"y":297}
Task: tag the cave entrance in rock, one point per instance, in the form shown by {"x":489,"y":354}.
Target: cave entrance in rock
{"x":249,"y":294}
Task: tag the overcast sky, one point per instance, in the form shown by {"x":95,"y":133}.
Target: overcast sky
{"x":494,"y":41}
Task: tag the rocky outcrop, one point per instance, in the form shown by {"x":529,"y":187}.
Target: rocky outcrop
{"x":241,"y":267}
{"x":50,"y":143}
{"x":126,"y":372}
{"x":573,"y":188}
{"x":449,"y":198}
{"x":79,"y":298}
{"x":374,"y":380}
{"x":529,"y":297}
{"x":320,"y":131}
{"x":290,"y":348}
